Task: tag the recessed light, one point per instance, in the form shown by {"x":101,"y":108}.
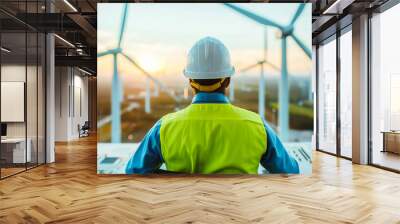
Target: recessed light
{"x":84,"y":71}
{"x":5,"y":49}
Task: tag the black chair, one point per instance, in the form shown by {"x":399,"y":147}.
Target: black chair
{"x":84,"y":130}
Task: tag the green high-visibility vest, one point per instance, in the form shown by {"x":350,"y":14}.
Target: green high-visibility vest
{"x":213,"y":138}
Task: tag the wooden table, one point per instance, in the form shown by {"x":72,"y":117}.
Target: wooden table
{"x":391,"y":141}
{"x":122,"y":152}
{"x":13,"y":150}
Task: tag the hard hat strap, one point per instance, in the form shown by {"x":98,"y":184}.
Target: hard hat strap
{"x":206,"y":88}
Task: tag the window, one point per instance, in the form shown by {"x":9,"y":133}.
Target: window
{"x":385,"y":89}
{"x":346,"y":94}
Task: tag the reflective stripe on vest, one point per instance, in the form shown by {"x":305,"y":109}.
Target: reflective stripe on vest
{"x":212,"y":138}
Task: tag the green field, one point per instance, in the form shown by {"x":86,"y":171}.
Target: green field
{"x":136,"y":123}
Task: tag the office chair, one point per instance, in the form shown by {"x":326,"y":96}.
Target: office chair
{"x":84,"y":130}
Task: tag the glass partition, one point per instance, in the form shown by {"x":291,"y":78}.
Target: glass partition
{"x":327,"y":97}
{"x":15,"y":151}
{"x":22,"y":88}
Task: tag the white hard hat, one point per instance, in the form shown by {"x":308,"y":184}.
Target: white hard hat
{"x":208,"y":59}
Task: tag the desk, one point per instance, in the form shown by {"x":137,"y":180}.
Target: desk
{"x":391,"y":141}
{"x":122,"y":152}
{"x":16,"y":148}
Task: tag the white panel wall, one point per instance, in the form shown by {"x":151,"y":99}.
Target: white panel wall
{"x":71,"y":87}
{"x":12,"y":101}
{"x":62,"y":82}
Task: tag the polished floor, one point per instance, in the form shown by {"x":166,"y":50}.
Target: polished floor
{"x":387,"y":159}
{"x":5,"y":172}
{"x":70,"y":191}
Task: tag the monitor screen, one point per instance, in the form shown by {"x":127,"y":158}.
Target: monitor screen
{"x":3,"y":129}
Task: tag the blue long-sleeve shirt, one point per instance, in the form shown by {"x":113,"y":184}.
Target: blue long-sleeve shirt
{"x":148,"y":157}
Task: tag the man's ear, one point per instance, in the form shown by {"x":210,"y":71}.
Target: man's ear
{"x":191,"y":87}
{"x":227,"y":81}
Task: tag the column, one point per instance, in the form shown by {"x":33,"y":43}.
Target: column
{"x":360,"y":90}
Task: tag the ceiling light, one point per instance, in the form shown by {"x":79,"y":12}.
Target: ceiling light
{"x":65,"y":41}
{"x":84,"y":71}
{"x":70,"y":5}
{"x":79,"y":51}
{"x":338,"y":6}
{"x":5,"y":50}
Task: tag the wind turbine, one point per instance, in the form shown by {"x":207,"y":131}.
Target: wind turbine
{"x":286,"y":31}
{"x":261,"y":86}
{"x":116,"y":90}
{"x":116,"y":93}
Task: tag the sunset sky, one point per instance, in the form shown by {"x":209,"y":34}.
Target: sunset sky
{"x":158,"y":36}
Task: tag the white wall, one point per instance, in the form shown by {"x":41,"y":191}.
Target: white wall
{"x":62,"y":82}
{"x":80,"y":94}
{"x":71,"y":87}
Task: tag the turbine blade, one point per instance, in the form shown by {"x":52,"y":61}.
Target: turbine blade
{"x":107,"y":52}
{"x":306,"y":50}
{"x":298,"y":13}
{"x":276,"y":68}
{"x":245,"y":69}
{"x":104,"y":53}
{"x":123,"y":24}
{"x":253,"y":16}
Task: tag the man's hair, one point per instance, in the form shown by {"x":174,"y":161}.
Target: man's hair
{"x":208,"y":82}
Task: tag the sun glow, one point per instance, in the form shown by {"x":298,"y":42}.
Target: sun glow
{"x":150,"y":63}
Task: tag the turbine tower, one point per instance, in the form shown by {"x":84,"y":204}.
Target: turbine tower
{"x":261,"y":86}
{"x":286,"y":31}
